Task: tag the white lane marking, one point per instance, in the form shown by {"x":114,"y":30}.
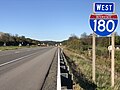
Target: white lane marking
{"x":14,"y":52}
{"x":16,"y":59}
{"x":4,"y":54}
{"x":17,"y":52}
{"x":58,"y":72}
{"x":10,"y":53}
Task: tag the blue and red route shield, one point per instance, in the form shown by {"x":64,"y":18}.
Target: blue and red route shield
{"x":103,"y":24}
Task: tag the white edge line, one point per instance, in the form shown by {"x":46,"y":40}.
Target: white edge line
{"x":17,"y":52}
{"x":15,"y":60}
{"x":58,"y":73}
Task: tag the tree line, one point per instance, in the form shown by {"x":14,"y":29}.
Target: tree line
{"x":6,"y":39}
{"x":84,"y":42}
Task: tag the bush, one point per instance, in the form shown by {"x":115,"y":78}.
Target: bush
{"x":117,"y":61}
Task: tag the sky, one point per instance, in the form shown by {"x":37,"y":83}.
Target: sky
{"x":48,"y":19}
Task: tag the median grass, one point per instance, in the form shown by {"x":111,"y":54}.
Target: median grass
{"x":3,"y":48}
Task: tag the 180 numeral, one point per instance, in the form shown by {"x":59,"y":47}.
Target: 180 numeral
{"x":102,"y":25}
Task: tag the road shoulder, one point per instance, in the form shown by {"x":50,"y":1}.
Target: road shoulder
{"x":51,"y":79}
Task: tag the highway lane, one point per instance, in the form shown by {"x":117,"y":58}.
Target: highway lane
{"x":6,"y":56}
{"x":28,"y":73}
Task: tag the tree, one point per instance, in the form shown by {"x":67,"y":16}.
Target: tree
{"x":117,"y":40}
{"x":102,"y":41}
{"x":6,"y":38}
{"x":72,"y":37}
{"x":83,"y":35}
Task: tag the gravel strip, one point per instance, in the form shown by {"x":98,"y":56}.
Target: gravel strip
{"x":51,"y":80}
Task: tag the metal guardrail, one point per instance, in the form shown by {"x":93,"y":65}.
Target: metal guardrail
{"x":64,"y":77}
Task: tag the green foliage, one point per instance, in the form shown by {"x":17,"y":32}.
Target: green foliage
{"x":117,"y":61}
{"x":102,"y":51}
{"x":103,"y":41}
{"x":103,"y":76}
{"x":15,"y":40}
{"x":103,"y":61}
{"x":73,"y":43}
{"x":117,"y":40}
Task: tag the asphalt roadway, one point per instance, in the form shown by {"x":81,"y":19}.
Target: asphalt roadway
{"x":25,"y":69}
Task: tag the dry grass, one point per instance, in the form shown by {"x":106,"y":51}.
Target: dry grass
{"x":83,"y":65}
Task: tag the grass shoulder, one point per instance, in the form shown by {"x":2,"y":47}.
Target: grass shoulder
{"x":81,"y":67}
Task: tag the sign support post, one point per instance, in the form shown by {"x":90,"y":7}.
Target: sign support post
{"x":103,"y":22}
{"x":112,"y":59}
{"x":94,"y":57}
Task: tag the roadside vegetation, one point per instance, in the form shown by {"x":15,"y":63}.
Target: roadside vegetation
{"x":7,"y":39}
{"x":79,"y":55}
{"x":3,"y":48}
{"x":11,"y":42}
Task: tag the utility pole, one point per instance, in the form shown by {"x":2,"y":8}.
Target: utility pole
{"x":112,"y":59}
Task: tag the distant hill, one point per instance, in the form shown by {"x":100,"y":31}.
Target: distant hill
{"x":50,"y":42}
